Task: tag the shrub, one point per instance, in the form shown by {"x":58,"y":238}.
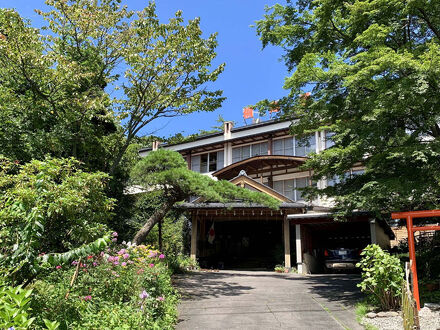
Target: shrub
{"x":49,"y":206}
{"x":382,"y":277}
{"x":181,"y":263}
{"x":15,"y":308}
{"x":129,"y":287}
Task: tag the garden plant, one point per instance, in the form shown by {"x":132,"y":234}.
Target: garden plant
{"x":382,"y":277}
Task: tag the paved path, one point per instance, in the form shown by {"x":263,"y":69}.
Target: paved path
{"x":267,"y":300}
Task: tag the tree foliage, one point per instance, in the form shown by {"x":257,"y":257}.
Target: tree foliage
{"x":165,"y":174}
{"x":95,"y":76}
{"x":50,"y":211}
{"x":373,"y":71}
{"x":52,"y":87}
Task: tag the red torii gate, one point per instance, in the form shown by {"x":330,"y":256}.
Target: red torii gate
{"x":409,"y":216}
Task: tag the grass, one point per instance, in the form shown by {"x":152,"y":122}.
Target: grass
{"x":362,"y":308}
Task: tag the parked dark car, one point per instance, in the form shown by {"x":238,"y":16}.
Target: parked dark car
{"x":341,"y":258}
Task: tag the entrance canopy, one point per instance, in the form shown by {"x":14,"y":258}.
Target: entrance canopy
{"x":260,"y":164}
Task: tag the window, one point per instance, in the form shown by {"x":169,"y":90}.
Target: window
{"x":204,"y":163}
{"x":337,"y":179}
{"x":305,"y":146}
{"x":300,"y":183}
{"x":333,"y":181}
{"x":236,"y":155}
{"x":357,"y":172}
{"x":220,"y":160}
{"x":252,"y":150}
{"x":208,"y":162}
{"x":292,"y":146}
{"x":245,"y":152}
{"x":195,"y":163}
{"x":283,"y":146}
{"x":278,"y":147}
{"x":328,"y":139}
{"x":212,"y":165}
{"x":291,"y":188}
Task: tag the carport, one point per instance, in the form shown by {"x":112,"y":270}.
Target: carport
{"x":316,"y":231}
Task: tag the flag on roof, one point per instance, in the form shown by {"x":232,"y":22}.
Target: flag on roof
{"x":248,"y":113}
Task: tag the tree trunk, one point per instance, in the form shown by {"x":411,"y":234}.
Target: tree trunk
{"x":157,"y":216}
{"x":119,"y":156}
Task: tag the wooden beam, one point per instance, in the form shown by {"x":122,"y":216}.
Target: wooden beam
{"x":416,"y":214}
{"x":426,"y":228}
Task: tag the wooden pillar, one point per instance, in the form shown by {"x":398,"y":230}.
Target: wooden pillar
{"x":287,"y":262}
{"x":298,"y":249}
{"x":188,"y":160}
{"x":412,"y":257}
{"x":194,"y":239}
{"x":202,"y":244}
{"x":373,"y":231}
{"x":270,"y":146}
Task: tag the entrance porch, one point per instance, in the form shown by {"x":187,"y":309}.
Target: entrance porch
{"x":241,"y":236}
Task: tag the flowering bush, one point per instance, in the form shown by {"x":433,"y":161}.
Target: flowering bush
{"x":124,"y":285}
{"x":51,"y":207}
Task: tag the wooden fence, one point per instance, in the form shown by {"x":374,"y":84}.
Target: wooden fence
{"x":410,"y":313}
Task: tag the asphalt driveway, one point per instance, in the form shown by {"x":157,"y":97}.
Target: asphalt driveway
{"x":267,"y":300}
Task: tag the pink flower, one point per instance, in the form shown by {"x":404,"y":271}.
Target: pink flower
{"x":102,"y":253}
{"x":111,"y":259}
{"x":144,"y":294}
{"x":74,"y":263}
{"x":122,"y":251}
{"x":152,"y":254}
{"x":95,"y":264}
{"x":126,"y":256}
{"x":130,"y":262}
{"x":87,"y":298}
{"x":161,"y":256}
{"x":114,"y":239}
{"x":151,"y":265}
{"x":124,"y":264}
{"x":115,"y":274}
{"x":116,"y":263}
{"x":115,"y":234}
{"x":58,"y":267}
{"x":160,"y":298}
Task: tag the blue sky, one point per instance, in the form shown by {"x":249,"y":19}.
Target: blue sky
{"x":251,"y":74}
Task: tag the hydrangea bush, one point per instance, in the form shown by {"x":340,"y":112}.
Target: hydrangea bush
{"x":124,"y":286}
{"x":382,"y":277}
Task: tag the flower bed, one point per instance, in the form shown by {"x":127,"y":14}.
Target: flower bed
{"x":122,"y":287}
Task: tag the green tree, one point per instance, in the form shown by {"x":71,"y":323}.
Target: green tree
{"x":49,"y":208}
{"x":169,"y":65}
{"x":165,"y":176}
{"x":56,"y":83}
{"x":52,"y":85}
{"x":373,"y":71}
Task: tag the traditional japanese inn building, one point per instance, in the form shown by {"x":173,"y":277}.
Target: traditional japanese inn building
{"x":264,"y":157}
